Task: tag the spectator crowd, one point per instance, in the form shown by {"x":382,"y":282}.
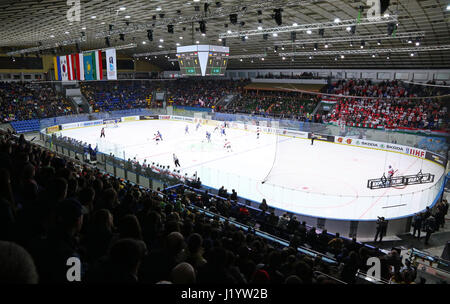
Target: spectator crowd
{"x":390,"y":104}
{"x":53,"y":208}
{"x":24,"y":101}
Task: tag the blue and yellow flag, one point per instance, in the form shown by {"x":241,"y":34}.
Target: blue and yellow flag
{"x":89,"y":66}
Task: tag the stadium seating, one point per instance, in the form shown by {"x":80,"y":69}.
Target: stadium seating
{"x":24,"y":126}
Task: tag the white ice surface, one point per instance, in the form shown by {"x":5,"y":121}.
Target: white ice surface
{"x":324,"y":180}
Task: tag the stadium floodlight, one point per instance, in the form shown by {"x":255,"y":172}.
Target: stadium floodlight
{"x":312,"y":26}
{"x":402,"y":35}
{"x":245,"y":56}
{"x":410,"y":50}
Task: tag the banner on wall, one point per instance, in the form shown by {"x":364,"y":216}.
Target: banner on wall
{"x":111,"y":64}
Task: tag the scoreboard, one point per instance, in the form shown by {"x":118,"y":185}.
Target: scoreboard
{"x":217,"y":63}
{"x":203,"y":60}
{"x":189,"y":64}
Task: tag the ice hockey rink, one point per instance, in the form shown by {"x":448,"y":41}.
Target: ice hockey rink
{"x":324,"y":180}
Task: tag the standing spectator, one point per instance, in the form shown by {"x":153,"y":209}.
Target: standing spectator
{"x":233,"y":196}
{"x":417,"y":224}
{"x":381,"y":228}
{"x":336,"y":244}
{"x":430,"y":227}
{"x":283,"y":222}
{"x":264,"y":207}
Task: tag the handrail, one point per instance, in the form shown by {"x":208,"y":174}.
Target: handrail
{"x":265,"y":235}
{"x":372,"y":279}
{"x":330,"y":277}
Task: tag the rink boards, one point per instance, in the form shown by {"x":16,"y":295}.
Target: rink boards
{"x":326,"y":198}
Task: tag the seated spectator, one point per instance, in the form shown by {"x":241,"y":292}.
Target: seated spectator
{"x":183,"y":273}
{"x":16,"y":265}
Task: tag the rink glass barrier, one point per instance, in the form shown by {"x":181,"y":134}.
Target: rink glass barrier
{"x":118,"y":165}
{"x":113,"y":165}
{"x":434,"y":143}
{"x":287,"y":198}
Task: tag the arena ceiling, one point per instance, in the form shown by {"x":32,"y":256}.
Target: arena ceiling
{"x":44,"y":24}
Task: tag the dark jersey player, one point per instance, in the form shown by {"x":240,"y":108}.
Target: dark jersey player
{"x":312,"y":138}
{"x":102,"y":133}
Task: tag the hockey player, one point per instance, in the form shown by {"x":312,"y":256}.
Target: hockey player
{"x":227,"y":145}
{"x":198,"y":126}
{"x":176,"y":161}
{"x":257,"y":133}
{"x":159,"y":134}
{"x":208,"y":136}
{"x":157,"y":138}
{"x":216,"y":128}
{"x":312,"y":138}
{"x":391,"y":173}
{"x":222,"y":130}
{"x":102,"y":133}
{"x":186,"y":130}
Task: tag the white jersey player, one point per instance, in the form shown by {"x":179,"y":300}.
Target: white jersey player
{"x":227,"y":145}
{"x":391,"y":172}
{"x":198,"y":126}
{"x":186,"y":130}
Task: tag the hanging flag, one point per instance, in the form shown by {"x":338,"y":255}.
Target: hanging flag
{"x":111,"y":64}
{"x":64,"y":68}
{"x":74,"y":75}
{"x":98,"y":65}
{"x":79,"y":66}
{"x":69,"y":67}
{"x":57,"y":68}
{"x":88,"y":66}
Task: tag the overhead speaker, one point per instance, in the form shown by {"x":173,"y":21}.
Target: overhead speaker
{"x":293,"y":36}
{"x":224,"y":42}
{"x":202,"y":26}
{"x":150,"y":35}
{"x":278,"y":17}
{"x":391,"y":28}
{"x":384,"y":4}
{"x":170,"y":28}
{"x":233,"y":18}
